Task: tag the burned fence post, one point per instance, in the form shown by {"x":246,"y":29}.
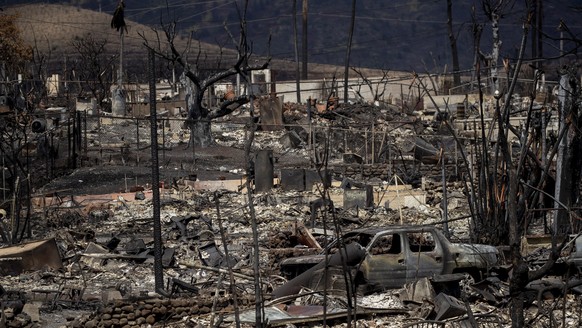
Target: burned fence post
{"x":137,"y":141}
{"x":164,"y":139}
{"x":444,"y":202}
{"x":4,"y":185}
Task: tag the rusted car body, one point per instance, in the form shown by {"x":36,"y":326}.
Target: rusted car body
{"x":396,"y":255}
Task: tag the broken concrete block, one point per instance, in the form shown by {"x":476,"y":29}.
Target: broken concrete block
{"x":349,"y":183}
{"x":93,"y":248}
{"x":135,"y":246}
{"x":293,"y":179}
{"x":168,"y":257}
{"x":361,"y":198}
{"x":33,"y":311}
{"x":447,"y":306}
{"x":417,"y":291}
{"x":350,"y":158}
{"x":300,"y":129}
{"x":106,"y":120}
{"x":290,"y":140}
{"x":108,"y":296}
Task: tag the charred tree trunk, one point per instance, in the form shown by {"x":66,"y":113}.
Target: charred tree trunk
{"x":198,"y":122}
{"x":200,"y":131}
{"x":199,"y":114}
{"x":576,"y":225}
{"x":537,"y":33}
{"x":495,"y":10}
{"x":495,"y":52}
{"x":564,"y":170}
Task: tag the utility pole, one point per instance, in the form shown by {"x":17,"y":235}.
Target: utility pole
{"x":349,"y":50}
{"x":536,"y":45}
{"x":453,"y":42}
{"x":297,"y":70}
{"x":304,"y":41}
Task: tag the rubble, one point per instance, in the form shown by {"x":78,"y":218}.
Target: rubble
{"x":102,"y":258}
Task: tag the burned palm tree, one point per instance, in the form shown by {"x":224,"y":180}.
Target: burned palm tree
{"x":118,"y":96}
{"x":118,"y":20}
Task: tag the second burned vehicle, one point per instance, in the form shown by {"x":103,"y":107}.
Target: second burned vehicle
{"x":389,"y":257}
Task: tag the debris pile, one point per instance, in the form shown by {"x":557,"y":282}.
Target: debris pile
{"x":94,"y":254}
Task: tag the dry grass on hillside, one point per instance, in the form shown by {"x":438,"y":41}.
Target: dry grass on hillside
{"x":51,"y":28}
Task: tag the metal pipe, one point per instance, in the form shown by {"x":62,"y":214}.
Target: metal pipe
{"x":3,"y":178}
{"x":137,"y":141}
{"x":158,"y":267}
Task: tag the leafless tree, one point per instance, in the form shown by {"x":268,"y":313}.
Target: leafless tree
{"x":199,"y":114}
{"x":37,"y":92}
{"x":15,"y":56}
{"x":93,"y":67}
{"x":377,"y":88}
{"x":14,"y":52}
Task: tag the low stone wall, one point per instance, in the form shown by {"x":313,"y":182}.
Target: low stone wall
{"x":365,"y":171}
{"x":128,"y":313}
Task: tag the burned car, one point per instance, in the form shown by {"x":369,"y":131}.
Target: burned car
{"x":389,"y":257}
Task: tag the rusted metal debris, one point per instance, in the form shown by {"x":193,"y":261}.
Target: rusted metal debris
{"x":32,"y":256}
{"x":351,"y":255}
{"x":283,"y":315}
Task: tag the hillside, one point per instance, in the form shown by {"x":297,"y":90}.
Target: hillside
{"x":51,"y":28}
{"x":400,"y":34}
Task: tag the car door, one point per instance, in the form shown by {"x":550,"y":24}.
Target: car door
{"x":424,"y":255}
{"x":384,"y":266}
